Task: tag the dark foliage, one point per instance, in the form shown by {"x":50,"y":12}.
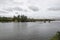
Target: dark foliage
{"x":22,"y":18}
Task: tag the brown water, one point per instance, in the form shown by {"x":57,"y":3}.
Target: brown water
{"x":28,"y":30}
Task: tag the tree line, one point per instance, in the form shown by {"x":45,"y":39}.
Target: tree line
{"x":21,"y":18}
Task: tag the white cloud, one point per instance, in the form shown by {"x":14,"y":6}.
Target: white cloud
{"x":42,"y":6}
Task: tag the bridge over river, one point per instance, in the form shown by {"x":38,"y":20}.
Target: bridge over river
{"x":44,"y":20}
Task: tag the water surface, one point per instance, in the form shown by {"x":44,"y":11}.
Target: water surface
{"x":28,"y":30}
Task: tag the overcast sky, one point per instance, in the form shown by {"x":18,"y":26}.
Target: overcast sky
{"x":30,"y":8}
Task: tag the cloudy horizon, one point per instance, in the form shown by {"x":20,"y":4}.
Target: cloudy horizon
{"x":30,"y":8}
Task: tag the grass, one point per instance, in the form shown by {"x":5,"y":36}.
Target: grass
{"x":56,"y":37}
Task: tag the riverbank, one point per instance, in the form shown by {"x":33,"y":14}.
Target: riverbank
{"x":56,"y":37}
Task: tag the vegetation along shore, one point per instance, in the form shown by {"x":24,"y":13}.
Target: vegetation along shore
{"x":22,"y":18}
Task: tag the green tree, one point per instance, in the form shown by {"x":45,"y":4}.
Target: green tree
{"x":23,"y":18}
{"x":18,"y":18}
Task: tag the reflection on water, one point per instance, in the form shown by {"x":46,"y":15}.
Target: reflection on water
{"x":28,"y":30}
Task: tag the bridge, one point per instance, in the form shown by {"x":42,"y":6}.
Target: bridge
{"x":45,"y":20}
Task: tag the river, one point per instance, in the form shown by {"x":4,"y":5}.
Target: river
{"x":28,"y":30}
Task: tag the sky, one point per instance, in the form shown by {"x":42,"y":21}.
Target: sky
{"x":30,"y":8}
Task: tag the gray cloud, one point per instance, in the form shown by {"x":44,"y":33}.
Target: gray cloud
{"x":33,"y":8}
{"x":54,"y":9}
{"x":3,"y":12}
{"x":9,"y":9}
{"x":5,"y":1}
{"x":21,"y":3}
{"x":17,"y":9}
{"x":25,"y":10}
{"x":13,"y":9}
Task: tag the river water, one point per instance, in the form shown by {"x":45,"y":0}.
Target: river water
{"x":28,"y":30}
